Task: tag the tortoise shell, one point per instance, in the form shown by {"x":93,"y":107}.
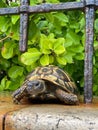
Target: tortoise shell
{"x":54,"y":75}
{"x":47,"y":83}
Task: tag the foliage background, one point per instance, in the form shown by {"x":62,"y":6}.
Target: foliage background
{"x":53,"y":38}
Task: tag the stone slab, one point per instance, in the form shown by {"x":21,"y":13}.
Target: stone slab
{"x":6,"y":106}
{"x":50,"y":116}
{"x":53,"y":117}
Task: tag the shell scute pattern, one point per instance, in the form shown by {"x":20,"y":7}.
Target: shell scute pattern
{"x":55,"y":75}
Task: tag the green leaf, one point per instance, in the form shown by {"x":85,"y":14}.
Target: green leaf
{"x":95,"y":88}
{"x":32,"y":50}
{"x":2,"y":4}
{"x":8,"y":82}
{"x":52,"y":1}
{"x":68,"y":42}
{"x":16,"y":83}
{"x":95,"y":45}
{"x":5,"y":83}
{"x":14,"y":18}
{"x":49,"y":17}
{"x":94,"y":60}
{"x":4,"y":63}
{"x":51,"y":59}
{"x":44,"y":60}
{"x":94,"y":70}
{"x":73,"y":36}
{"x":75,"y":26}
{"x":15,"y":71}
{"x":76,"y":49}
{"x":33,"y":33}
{"x":69,"y":57}
{"x":79,"y":56}
{"x":61,"y":60}
{"x":33,"y":2}
{"x":8,"y":50}
{"x":49,"y":44}
{"x":42,"y":24}
{"x":96,"y":25}
{"x":29,"y":68}
{"x":15,"y":30}
{"x":29,"y":58}
{"x":4,"y":23}
{"x":14,"y":4}
{"x":51,"y":36}
{"x":45,"y":51}
{"x":59,"y":50}
{"x":61,"y":17}
{"x":58,"y":42}
{"x":82,"y":24}
{"x":45,"y":44}
{"x":96,"y":54}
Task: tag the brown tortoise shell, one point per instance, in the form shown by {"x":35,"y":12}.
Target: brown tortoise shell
{"x":54,"y":75}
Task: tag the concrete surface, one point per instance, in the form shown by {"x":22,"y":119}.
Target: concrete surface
{"x":47,"y":116}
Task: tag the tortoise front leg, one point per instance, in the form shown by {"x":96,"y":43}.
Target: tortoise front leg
{"x":18,"y":95}
{"x":67,"y":98}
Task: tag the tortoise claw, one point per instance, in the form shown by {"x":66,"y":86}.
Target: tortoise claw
{"x":16,"y":101}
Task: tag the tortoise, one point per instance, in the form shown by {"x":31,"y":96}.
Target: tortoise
{"x":46,"y":83}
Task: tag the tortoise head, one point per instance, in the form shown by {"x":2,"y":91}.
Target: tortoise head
{"x":36,"y":87}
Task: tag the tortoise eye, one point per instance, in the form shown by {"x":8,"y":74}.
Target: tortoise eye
{"x":37,"y":83}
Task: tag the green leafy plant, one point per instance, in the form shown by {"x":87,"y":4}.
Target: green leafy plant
{"x":49,"y":48}
{"x":53,"y":38}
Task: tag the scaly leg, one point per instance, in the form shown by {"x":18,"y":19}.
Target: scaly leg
{"x":67,"y":98}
